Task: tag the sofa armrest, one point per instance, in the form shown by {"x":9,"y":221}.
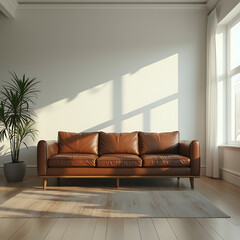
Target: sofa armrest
{"x":191,"y":149}
{"x":45,"y":150}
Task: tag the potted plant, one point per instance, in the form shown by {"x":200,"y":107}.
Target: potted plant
{"x":16,"y":120}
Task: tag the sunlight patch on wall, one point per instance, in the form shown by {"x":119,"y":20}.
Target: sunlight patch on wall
{"x":151,"y":83}
{"x":165,"y":117}
{"x":87,"y":109}
{"x":132,"y":124}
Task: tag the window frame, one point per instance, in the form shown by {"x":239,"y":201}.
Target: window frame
{"x":230,"y":74}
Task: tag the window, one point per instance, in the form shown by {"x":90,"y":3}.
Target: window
{"x":233,"y":82}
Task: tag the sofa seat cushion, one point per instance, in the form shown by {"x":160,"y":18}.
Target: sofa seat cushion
{"x":165,"y":160}
{"x":73,"y":160}
{"x":119,"y":160}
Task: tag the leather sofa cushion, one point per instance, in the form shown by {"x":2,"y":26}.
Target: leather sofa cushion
{"x":119,"y":160}
{"x":155,"y":143}
{"x":165,"y":160}
{"x":73,"y":160}
{"x":78,"y":142}
{"x":111,"y":143}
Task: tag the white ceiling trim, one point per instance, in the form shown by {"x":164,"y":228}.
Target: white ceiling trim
{"x":115,"y":6}
{"x":113,"y":1}
{"x":8,"y":7}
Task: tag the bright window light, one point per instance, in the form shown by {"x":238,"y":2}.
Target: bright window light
{"x":233,"y":82}
{"x":235,"y":46}
{"x":235,"y":107}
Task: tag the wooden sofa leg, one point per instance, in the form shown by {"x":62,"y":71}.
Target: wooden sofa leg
{"x":192,"y":182}
{"x":44,"y":183}
{"x":117,"y":182}
{"x":58,"y":181}
{"x":178,"y":181}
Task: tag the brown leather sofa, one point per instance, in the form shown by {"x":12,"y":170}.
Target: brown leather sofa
{"x":118,"y":155}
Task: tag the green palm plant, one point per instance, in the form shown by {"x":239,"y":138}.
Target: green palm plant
{"x":16,"y":112}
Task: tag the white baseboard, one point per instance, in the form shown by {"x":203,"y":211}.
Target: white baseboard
{"x":230,"y":176}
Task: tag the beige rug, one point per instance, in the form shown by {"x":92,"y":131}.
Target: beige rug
{"x":109,"y":203}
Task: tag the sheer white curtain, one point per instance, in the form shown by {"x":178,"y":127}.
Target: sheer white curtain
{"x":212,"y":162}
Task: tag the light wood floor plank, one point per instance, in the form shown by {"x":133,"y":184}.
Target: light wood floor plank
{"x":209,"y":229}
{"x":188,"y":229}
{"x":36,"y":229}
{"x":58,"y":229}
{"x":10,"y":189}
{"x":219,"y":185}
{"x":131,"y":229}
{"x":9,"y":226}
{"x":223,"y":227}
{"x":147,"y":229}
{"x":100,"y":229}
{"x":163,"y":229}
{"x":115,"y":229}
{"x":80,"y":229}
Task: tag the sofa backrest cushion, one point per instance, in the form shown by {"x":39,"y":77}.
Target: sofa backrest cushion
{"x":154,"y":143}
{"x":78,"y":142}
{"x":110,"y":143}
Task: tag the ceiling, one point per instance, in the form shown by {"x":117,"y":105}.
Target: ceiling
{"x":210,"y":4}
{"x":9,"y":7}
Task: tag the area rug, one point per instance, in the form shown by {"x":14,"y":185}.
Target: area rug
{"x":109,"y":203}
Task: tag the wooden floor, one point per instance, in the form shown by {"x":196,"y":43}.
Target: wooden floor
{"x":222,"y":194}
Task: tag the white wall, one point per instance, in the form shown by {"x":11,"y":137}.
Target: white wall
{"x":110,"y":69}
{"x":230,"y":166}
